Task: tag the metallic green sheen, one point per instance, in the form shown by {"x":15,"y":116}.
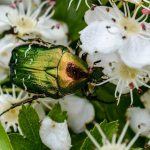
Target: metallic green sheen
{"x":49,"y":70}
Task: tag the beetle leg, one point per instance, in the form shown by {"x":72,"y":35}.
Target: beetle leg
{"x":84,"y":57}
{"x":96,"y":62}
{"x":78,"y":49}
{"x":18,"y":38}
{"x":28,"y":100}
{"x":36,"y":41}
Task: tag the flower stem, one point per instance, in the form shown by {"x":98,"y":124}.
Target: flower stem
{"x":10,"y":90}
{"x":120,"y":4}
{"x":4,"y":81}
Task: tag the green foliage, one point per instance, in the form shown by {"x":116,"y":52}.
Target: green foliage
{"x":113,"y":112}
{"x":4,"y":139}
{"x":108,"y":128}
{"x":57,"y":115}
{"x":136,"y":148}
{"x":29,"y":124}
{"x":73,"y":19}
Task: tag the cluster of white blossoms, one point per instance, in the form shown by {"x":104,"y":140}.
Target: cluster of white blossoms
{"x":121,"y":42}
{"x":26,"y":21}
{"x":79,"y":110}
{"x":113,"y":145}
{"x":10,"y":118}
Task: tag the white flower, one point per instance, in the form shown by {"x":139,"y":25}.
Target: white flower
{"x":55,"y":135}
{"x":139,"y":119}
{"x":10,"y":118}
{"x":6,"y":46}
{"x":111,"y":30}
{"x":27,"y":22}
{"x":107,"y":145}
{"x":147,"y":145}
{"x":145,"y":98}
{"x":79,"y":110}
{"x":118,"y":73}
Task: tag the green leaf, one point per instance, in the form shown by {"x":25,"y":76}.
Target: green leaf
{"x":108,"y":128}
{"x":57,"y":115}
{"x":4,"y":139}
{"x":29,"y":124}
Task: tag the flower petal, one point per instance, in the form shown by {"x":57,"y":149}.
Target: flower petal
{"x":145,"y":98}
{"x":80,"y":112}
{"x":40,"y":111}
{"x":97,"y":35}
{"x":57,"y":34}
{"x":140,"y":117}
{"x":4,"y":24}
{"x":105,"y":59}
{"x":100,"y":13}
{"x":6,"y":46}
{"x":55,"y":135}
{"x":135,"y":52}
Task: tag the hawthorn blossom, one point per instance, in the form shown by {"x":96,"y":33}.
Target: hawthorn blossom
{"x":29,"y":22}
{"x":55,"y":135}
{"x":118,"y":73}
{"x":10,"y":118}
{"x":139,"y":119}
{"x":7,"y":43}
{"x":79,"y":110}
{"x":113,"y":145}
{"x":111,"y":30}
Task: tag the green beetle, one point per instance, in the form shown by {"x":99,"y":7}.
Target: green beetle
{"x":43,"y":68}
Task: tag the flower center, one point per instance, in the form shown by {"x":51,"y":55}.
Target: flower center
{"x":25,"y":22}
{"x":130,"y":25}
{"x":13,"y":111}
{"x":12,"y":115}
{"x":114,"y":147}
{"x":125,"y":72}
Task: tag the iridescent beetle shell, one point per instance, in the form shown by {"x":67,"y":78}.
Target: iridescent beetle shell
{"x":52,"y":71}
